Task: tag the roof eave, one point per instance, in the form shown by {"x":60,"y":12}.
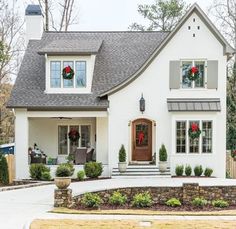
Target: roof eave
{"x":67,"y":53}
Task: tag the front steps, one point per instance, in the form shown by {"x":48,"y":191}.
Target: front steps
{"x":134,"y":171}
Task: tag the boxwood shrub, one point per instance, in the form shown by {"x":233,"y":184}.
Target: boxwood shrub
{"x":173,"y":202}
{"x":93,"y":169}
{"x":36,"y":171}
{"x":142,"y":200}
{"x":117,"y":199}
{"x":91,"y":200}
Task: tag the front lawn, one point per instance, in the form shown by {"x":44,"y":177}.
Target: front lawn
{"x":124,"y":224}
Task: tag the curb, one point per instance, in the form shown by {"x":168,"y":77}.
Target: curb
{"x":9,"y":188}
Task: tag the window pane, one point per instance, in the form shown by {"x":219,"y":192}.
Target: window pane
{"x":80,"y":73}
{"x":186,"y":83}
{"x":180,"y":137}
{"x":85,"y":136}
{"x":207,"y":137}
{"x":68,"y":83}
{"x":193,"y":143}
{"x":55,"y":74}
{"x":62,"y":140}
{"x":201,"y":67}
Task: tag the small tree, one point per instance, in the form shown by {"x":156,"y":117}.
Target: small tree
{"x":162,"y":153}
{"x":4,"y":176}
{"x":122,"y":154}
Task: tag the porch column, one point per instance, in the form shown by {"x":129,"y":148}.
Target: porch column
{"x":21,"y":144}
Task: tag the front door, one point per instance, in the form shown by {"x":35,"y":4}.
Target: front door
{"x":142,"y":140}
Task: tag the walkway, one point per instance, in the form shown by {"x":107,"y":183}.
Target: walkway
{"x":19,"y":206}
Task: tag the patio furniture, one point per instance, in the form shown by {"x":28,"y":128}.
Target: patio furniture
{"x":83,"y":155}
{"x":80,"y":156}
{"x":36,"y":158}
{"x":89,"y":156}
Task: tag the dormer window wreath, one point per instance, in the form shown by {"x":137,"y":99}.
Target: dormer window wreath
{"x":193,"y":73}
{"x":68,"y":73}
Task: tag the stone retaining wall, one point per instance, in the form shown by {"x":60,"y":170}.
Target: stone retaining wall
{"x":160,"y":195}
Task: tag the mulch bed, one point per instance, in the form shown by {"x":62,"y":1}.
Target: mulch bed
{"x":191,"y":177}
{"x":160,"y":207}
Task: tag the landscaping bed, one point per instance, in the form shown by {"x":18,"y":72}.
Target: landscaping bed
{"x":189,"y":198}
{"x":160,"y":207}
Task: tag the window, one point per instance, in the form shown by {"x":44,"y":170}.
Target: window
{"x":203,"y":144}
{"x":65,"y":145}
{"x":79,"y":79}
{"x":206,"y":136}
{"x":200,"y":82}
{"x":181,"y":137}
{"x":80,"y":73}
{"x":85,"y":136}
{"x":55,"y":68}
{"x":193,"y":143}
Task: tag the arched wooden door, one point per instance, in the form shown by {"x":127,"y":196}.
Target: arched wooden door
{"x":142,"y":140}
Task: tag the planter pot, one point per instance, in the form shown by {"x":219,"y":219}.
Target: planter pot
{"x":162,"y":166}
{"x":62,"y":182}
{"x":122,"y":167}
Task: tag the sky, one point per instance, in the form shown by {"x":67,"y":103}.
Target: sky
{"x":99,"y":15}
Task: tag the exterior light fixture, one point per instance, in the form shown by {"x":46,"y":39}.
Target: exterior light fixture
{"x":142,"y":104}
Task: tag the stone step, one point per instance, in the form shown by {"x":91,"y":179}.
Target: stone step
{"x":140,"y":171}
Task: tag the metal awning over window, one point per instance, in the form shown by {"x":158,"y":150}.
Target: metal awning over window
{"x":193,"y":105}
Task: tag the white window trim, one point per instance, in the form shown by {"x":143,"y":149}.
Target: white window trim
{"x":193,"y":83}
{"x":187,"y":120}
{"x":68,"y":140}
{"x":90,"y":62}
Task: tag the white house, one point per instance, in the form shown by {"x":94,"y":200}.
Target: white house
{"x":112,"y":72}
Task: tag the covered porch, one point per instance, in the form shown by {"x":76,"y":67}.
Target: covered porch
{"x":49,"y":130}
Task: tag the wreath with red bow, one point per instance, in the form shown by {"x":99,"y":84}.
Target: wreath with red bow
{"x":74,"y":135}
{"x":194,"y":131}
{"x":68,"y":73}
{"x":193,"y":73}
{"x":140,"y":137}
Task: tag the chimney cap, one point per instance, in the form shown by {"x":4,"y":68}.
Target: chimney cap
{"x":33,"y":10}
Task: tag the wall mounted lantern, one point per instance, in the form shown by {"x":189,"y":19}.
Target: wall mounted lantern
{"x":142,"y":104}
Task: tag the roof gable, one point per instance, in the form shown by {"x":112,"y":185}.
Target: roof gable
{"x":228,"y":50}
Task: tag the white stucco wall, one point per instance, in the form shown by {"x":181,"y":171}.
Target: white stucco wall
{"x":21,"y":144}
{"x":154,"y":84}
{"x":102,"y":140}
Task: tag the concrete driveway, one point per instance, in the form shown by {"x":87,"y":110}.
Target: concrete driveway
{"x":17,"y":207}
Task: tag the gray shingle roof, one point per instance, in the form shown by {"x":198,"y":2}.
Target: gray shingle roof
{"x":58,"y":47}
{"x":120,"y":56}
{"x":175,"y":105}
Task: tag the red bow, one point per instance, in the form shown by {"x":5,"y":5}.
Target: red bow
{"x":194,"y":127}
{"x":67,"y":69}
{"x":140,"y":137}
{"x":194,"y":70}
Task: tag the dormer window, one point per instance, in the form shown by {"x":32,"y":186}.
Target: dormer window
{"x":79,"y":79}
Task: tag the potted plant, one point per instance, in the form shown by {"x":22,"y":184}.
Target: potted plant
{"x":122,"y":159}
{"x":63,"y":176}
{"x":70,"y":158}
{"x":162,"y":158}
